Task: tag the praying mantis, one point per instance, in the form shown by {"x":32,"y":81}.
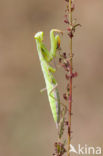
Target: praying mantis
{"x":46,"y":57}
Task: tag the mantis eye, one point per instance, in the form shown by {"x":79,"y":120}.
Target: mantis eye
{"x":58,"y":43}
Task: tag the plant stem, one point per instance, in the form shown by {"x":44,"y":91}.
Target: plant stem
{"x":70,"y":93}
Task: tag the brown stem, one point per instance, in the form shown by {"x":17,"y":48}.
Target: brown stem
{"x":70,"y":93}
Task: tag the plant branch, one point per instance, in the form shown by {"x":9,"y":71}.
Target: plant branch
{"x":70,"y":81}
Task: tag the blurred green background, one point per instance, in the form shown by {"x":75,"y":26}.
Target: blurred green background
{"x":26,"y":124}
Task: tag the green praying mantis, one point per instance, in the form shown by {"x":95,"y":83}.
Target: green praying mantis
{"x":46,"y":57}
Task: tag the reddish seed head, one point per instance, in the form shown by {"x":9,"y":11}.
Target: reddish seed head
{"x":74,"y":74}
{"x":70,"y":34}
{"x":69,"y":29}
{"x":66,"y":21}
{"x":60,"y":60}
{"x":65,"y":96}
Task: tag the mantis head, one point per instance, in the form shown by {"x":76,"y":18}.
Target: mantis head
{"x":39,"y":36}
{"x":57,"y":37}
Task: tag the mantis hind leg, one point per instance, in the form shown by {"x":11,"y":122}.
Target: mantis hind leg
{"x":56,"y":85}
